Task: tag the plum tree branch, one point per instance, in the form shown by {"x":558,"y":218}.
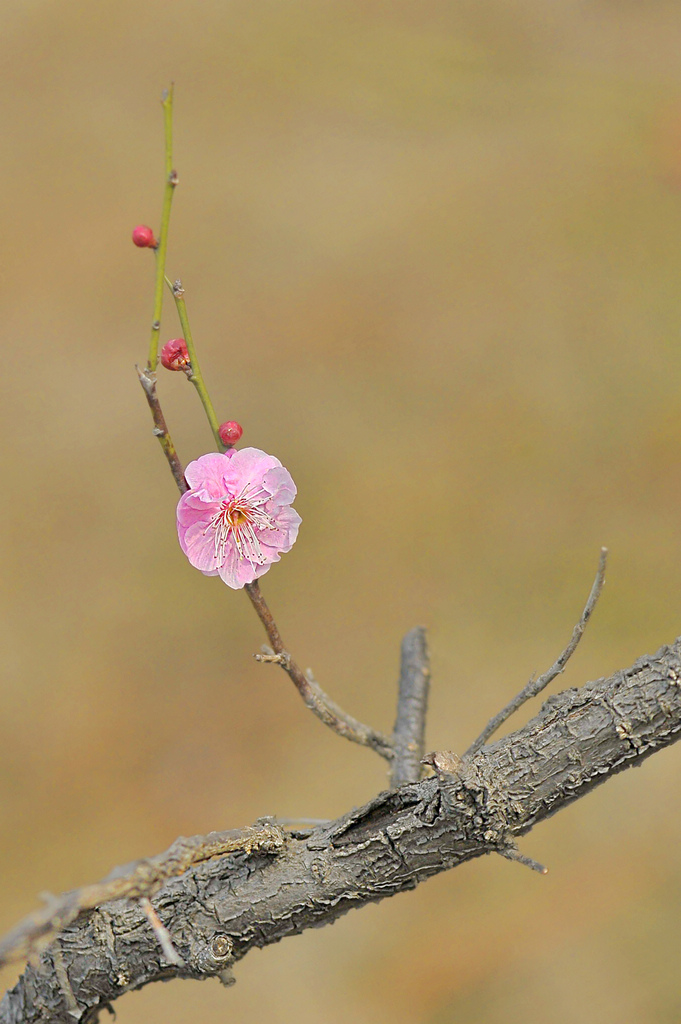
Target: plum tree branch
{"x":226,"y":905}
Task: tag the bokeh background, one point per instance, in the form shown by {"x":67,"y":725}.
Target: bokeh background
{"x":432,"y":254}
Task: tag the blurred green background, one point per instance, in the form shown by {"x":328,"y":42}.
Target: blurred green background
{"x":432,"y":253}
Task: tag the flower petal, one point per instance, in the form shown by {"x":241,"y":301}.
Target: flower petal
{"x":280,"y":485}
{"x":200,"y":554}
{"x":207,"y":474}
{"x":236,"y":520}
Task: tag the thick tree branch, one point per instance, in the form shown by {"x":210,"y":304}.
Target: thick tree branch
{"x":139,"y":880}
{"x":223,"y":907}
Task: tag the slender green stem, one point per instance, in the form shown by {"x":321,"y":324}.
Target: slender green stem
{"x":162,"y":248}
{"x":195,"y":375}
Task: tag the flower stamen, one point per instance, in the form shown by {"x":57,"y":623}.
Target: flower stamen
{"x":241,"y":516}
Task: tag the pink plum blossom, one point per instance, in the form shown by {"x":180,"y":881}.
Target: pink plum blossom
{"x":236,"y":518}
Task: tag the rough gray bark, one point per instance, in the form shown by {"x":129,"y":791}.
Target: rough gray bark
{"x":412,"y":705}
{"x":221,"y":909}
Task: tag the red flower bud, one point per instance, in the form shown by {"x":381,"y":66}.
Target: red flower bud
{"x":174,"y":355}
{"x":230,"y":432}
{"x":144,"y":237}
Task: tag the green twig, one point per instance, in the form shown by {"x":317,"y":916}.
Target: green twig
{"x":194,"y":374}
{"x":162,"y":248}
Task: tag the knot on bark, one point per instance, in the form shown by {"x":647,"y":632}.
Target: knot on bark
{"x":469,"y":795}
{"x":210,"y":955}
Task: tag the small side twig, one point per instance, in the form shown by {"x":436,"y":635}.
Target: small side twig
{"x":313,"y":696}
{"x":535,"y":686}
{"x":412,"y":705}
{"x":161,"y":932}
{"x":512,"y":852}
{"x":147,"y":379}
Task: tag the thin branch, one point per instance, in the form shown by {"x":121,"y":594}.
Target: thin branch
{"x":535,"y":686}
{"x":161,"y":932}
{"x":412,"y":706}
{"x":195,"y":375}
{"x":171,"y":181}
{"x":147,"y":379}
{"x":313,"y":696}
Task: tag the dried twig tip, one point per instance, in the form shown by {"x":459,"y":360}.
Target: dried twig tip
{"x":513,"y":853}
